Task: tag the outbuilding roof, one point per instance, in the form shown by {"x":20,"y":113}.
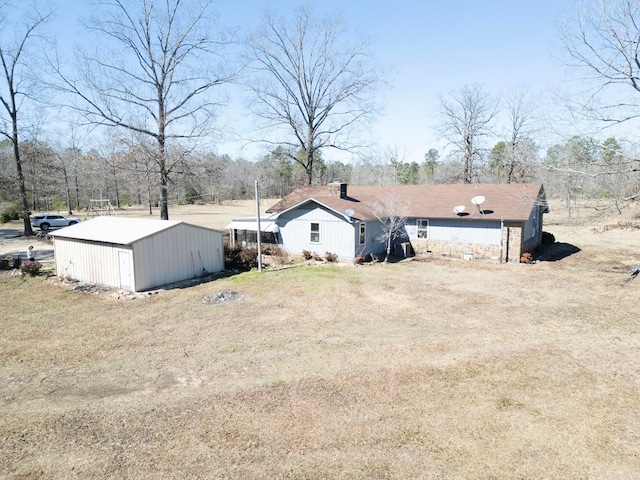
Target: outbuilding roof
{"x":501,"y":201}
{"x":116,"y":230}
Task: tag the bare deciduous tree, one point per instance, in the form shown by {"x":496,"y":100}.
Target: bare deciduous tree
{"x":310,"y":83}
{"x":392,"y":214}
{"x":604,"y":42}
{"x":17,"y":86}
{"x":521,"y":117}
{"x":156,"y":76}
{"x":467,"y":117}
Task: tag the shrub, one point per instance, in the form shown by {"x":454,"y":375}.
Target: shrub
{"x":31,"y":268}
{"x":277,"y":254}
{"x":237,"y":257}
{"x":9,"y":215}
{"x":548,"y":238}
{"x":307,"y":255}
{"x":359,"y":260}
{"x":330,"y":257}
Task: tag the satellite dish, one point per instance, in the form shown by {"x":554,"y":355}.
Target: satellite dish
{"x":479,"y":200}
{"x":349,"y":212}
{"x":459,"y":209}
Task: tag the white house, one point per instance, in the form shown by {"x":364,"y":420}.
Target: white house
{"x":136,"y":254}
{"x":500,"y":221}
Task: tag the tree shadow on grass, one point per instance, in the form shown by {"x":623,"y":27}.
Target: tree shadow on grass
{"x":556,"y":251}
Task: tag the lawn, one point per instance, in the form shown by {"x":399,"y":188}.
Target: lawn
{"x":429,"y":368}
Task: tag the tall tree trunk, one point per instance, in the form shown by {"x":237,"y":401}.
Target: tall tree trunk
{"x":115,"y":184}
{"x":28,"y":231}
{"x":164,"y":181}
{"x":310,"y":154}
{"x":77,"y":185}
{"x":67,"y":189}
{"x":468,"y":158}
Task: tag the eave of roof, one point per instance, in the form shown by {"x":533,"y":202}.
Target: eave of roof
{"x":115,"y":230}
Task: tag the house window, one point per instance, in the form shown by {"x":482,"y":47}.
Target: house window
{"x":363,"y":233}
{"x":423,"y":228}
{"x":315,"y":232}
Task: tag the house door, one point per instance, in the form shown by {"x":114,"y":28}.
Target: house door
{"x":124,"y":259}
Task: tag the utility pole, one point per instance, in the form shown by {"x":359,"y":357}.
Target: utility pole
{"x":259,"y":230}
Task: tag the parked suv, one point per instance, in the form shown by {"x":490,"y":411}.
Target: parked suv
{"x":48,"y":220}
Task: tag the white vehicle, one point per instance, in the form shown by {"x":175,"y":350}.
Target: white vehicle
{"x":48,"y":220}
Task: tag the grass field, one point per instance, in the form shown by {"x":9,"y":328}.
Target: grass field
{"x":428,"y":368}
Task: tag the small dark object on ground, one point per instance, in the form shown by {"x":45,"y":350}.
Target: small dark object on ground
{"x":526,"y":258}
{"x":222,"y":296}
{"x":633,"y":273}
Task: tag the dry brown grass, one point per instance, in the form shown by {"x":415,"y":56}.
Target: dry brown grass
{"x":420,"y":369}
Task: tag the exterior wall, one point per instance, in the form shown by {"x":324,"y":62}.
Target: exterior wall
{"x":336,"y":234}
{"x":176,"y":254}
{"x":89,"y":261}
{"x":532,"y":230}
{"x":455,"y":238}
{"x":157,"y":260}
{"x":483,"y":238}
{"x":372,"y":245}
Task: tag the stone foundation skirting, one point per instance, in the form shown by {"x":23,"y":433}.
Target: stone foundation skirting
{"x":456,"y":249}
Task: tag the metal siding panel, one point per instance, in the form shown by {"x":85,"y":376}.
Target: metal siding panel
{"x":167,"y":256}
{"x":470,"y":231}
{"x":528,"y":226}
{"x":88,"y":262}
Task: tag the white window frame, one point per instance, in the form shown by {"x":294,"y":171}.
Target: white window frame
{"x":313,"y":232}
{"x":424,"y":228}
{"x":362,"y":234}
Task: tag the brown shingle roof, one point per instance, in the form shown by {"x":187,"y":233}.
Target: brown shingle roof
{"x":502,"y":201}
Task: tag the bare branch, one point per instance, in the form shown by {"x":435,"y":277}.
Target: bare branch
{"x":157,"y":76}
{"x":467,"y":116}
{"x":308,"y":81}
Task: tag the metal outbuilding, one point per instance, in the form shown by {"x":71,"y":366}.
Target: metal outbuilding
{"x":136,"y":254}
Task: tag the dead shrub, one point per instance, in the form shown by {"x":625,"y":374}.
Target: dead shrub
{"x":31,"y":268}
{"x":330,"y":257}
{"x":307,"y":255}
{"x":526,"y":258}
{"x":279,"y":256}
{"x":243,"y":259}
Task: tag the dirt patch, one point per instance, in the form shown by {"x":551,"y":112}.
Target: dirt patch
{"x":222,"y":296}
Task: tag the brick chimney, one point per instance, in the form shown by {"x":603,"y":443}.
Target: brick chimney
{"x":338,"y":189}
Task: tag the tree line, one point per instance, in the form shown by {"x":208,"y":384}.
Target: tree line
{"x":66,"y":179}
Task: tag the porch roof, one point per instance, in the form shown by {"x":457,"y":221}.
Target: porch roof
{"x":268,"y":226}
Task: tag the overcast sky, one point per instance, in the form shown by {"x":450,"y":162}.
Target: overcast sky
{"x":434,"y":48}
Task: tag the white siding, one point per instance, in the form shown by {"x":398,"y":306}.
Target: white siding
{"x":373,"y":245}
{"x":89,"y":261}
{"x":168,"y":256}
{"x":336,"y":234}
{"x":463,"y":231}
{"x":176,"y":254}
{"x":529,"y":227}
